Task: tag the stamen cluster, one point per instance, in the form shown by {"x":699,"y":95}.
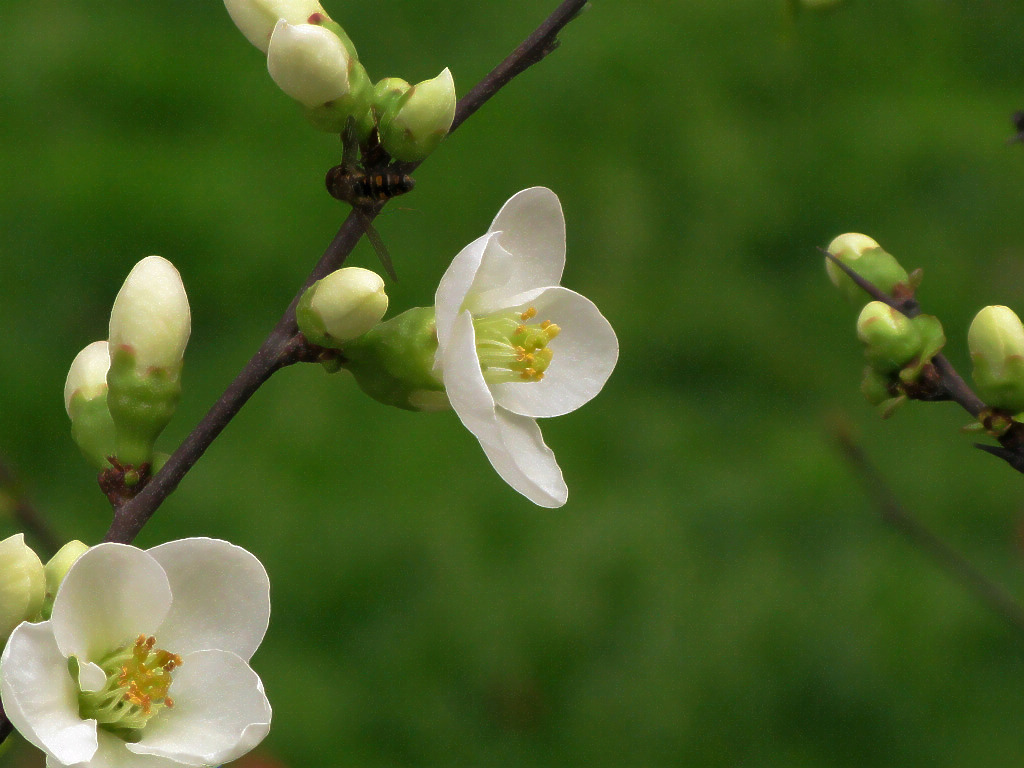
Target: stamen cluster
{"x":512,"y":349}
{"x":138,"y":679}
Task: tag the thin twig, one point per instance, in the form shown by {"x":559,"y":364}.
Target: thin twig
{"x":994,"y":595}
{"x":26,"y":513}
{"x":130,"y":517}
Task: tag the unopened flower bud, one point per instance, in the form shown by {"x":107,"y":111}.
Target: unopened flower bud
{"x":345,"y":304}
{"x":996,"y":341}
{"x":150,"y":319}
{"x":149,"y":328}
{"x":309,"y":63}
{"x":394,"y":362}
{"x":891,"y":339}
{"x":412,"y":126}
{"x":22,"y":584}
{"x":256,"y":19}
{"x":865,"y":257}
{"x":85,"y":399}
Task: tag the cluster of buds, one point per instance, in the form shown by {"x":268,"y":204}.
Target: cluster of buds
{"x":313,"y":60}
{"x":27,"y":587}
{"x":121,"y":393}
{"x":898,"y":348}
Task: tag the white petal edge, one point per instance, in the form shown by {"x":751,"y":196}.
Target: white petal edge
{"x":532,"y":228}
{"x":220,"y":712}
{"x":111,"y":595}
{"x":221,"y":597}
{"x":585,"y":353}
{"x":455,"y":284}
{"x":512,"y":443}
{"x":41,"y":699}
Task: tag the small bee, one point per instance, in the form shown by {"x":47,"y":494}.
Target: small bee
{"x":368,"y":184}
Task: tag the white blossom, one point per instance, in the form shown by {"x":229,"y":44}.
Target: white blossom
{"x":514,"y":346}
{"x":144,"y":661}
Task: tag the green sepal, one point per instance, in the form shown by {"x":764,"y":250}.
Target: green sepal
{"x":1002,"y":388}
{"x":933,"y":339}
{"x":141,"y":404}
{"x":332,"y":116}
{"x":394,"y":362}
{"x":92,"y":429}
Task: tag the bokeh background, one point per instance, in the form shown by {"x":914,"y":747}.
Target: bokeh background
{"x":718,"y":591}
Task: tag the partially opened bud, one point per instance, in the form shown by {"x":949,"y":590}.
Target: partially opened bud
{"x":256,"y":19}
{"x":149,"y":328}
{"x":309,"y":63}
{"x":996,"y":341}
{"x":865,"y":257}
{"x":345,"y":304}
{"x":891,"y":340}
{"x":85,"y":399}
{"x":22,"y":584}
{"x":411,"y":127}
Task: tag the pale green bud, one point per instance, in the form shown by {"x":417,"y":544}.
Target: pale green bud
{"x":57,"y":567}
{"x":996,"y":341}
{"x":345,"y":304}
{"x":394,"y":362}
{"x":22,"y":585}
{"x":85,"y":399}
{"x":413,"y":124}
{"x":891,"y":340}
{"x":149,"y":328}
{"x":865,"y":257}
{"x":256,"y":19}
{"x":150,"y":318}
{"x":309,"y":63}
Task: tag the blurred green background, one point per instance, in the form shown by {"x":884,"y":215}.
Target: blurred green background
{"x":717,"y":592}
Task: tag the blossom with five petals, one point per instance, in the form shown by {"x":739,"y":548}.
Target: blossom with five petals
{"x":144,"y":661}
{"x":500,"y":370}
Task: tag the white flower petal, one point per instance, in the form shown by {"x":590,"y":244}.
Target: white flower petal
{"x":221,"y":597}
{"x":513,"y":443}
{"x":532,"y":228}
{"x":112,"y":594}
{"x":464,"y":381}
{"x":113,"y":754}
{"x":41,"y":699}
{"x":527,"y":464}
{"x":585,"y":352}
{"x":91,"y":677}
{"x":220,"y":712}
{"x":455,"y":284}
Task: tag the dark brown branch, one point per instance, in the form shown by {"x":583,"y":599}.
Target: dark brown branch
{"x":274,"y":353}
{"x":26,"y":514}
{"x":942,"y":554}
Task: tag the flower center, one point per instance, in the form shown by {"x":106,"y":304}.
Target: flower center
{"x":511,"y":348}
{"x":138,"y":678}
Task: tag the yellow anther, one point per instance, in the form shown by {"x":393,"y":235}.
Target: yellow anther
{"x":529,"y":314}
